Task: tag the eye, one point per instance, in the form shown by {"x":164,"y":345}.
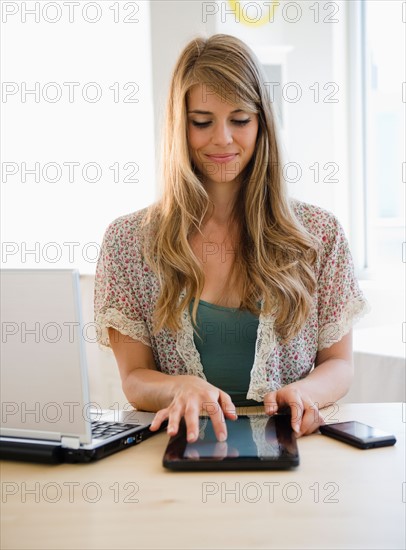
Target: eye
{"x":200,"y":124}
{"x":205,"y":124}
{"x":241,"y":122}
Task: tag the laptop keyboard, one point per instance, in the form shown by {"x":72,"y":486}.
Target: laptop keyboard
{"x":102,"y":430}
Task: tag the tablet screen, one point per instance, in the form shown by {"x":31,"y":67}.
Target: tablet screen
{"x":252,"y":441}
{"x":240,"y":439}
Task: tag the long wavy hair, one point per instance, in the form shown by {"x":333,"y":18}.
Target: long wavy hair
{"x":273,"y":254}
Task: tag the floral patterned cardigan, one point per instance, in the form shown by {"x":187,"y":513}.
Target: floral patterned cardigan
{"x":126,"y":291}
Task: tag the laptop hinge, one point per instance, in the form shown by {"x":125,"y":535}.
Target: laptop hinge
{"x":70,"y":442}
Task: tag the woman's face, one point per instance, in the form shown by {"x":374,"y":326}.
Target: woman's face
{"x":221,"y":137}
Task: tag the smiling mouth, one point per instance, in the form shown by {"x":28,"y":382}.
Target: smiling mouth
{"x":222,"y":158}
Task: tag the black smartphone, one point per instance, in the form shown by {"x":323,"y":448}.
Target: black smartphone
{"x":358,"y":434}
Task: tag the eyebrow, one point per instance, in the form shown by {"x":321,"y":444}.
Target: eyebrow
{"x":199,"y":112}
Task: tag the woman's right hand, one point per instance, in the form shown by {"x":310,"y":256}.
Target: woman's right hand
{"x":191,"y":396}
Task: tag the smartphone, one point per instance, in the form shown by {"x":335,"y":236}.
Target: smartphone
{"x":358,"y":434}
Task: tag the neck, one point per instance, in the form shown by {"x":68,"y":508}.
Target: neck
{"x":222,"y":196}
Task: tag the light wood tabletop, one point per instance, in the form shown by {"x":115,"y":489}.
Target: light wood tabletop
{"x":339,"y":497}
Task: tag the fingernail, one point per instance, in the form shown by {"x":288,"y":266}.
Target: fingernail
{"x":296,"y":428}
{"x":222,"y":436}
{"x":190,"y":436}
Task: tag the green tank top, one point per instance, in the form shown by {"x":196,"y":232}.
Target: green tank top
{"x":227,"y":348}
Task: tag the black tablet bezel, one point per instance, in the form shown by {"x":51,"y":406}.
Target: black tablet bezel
{"x":174,"y":459}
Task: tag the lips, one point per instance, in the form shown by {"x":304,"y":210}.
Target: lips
{"x":222,"y":158}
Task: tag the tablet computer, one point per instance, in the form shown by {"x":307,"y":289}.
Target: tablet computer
{"x":254,"y":442}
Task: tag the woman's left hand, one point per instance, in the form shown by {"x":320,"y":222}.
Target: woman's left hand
{"x":305,"y":413}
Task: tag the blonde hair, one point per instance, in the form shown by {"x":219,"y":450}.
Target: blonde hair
{"x":274,"y":253}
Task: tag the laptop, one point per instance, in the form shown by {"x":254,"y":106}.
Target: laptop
{"x":46,"y":412}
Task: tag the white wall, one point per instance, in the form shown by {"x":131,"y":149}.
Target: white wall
{"x":111,"y":51}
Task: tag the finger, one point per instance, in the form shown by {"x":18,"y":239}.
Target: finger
{"x":312,"y":419}
{"x":211,"y":407}
{"x":160,"y":416}
{"x":192,"y":422}
{"x":270,"y":403}
{"x":296,"y":408}
{"x":227,"y":406}
{"x":217,"y":417}
{"x":175,"y":414}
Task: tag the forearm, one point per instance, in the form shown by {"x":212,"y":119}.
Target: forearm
{"x":329,"y":381}
{"x":149,"y":390}
{"x":325,"y":384}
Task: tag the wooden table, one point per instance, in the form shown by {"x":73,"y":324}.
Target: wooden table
{"x":339,"y":497}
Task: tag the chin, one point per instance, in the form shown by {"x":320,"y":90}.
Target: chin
{"x":224,"y":176}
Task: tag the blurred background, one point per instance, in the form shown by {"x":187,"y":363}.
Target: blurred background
{"x":84,"y":88}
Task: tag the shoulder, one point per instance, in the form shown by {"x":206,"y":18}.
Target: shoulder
{"x":126,"y":228}
{"x":318,"y":221}
{"x":128,"y":221}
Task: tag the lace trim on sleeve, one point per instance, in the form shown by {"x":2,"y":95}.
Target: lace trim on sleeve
{"x":265,"y":345}
{"x":185,"y":344}
{"x":137,"y":330}
{"x":331,"y":333}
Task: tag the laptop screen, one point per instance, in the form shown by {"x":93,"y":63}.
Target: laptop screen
{"x":44,"y":389}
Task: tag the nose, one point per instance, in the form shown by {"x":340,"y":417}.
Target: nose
{"x":222,"y":134}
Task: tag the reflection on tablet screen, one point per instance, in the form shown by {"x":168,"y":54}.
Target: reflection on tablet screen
{"x":247,"y":437}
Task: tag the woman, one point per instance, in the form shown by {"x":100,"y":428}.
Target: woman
{"x":226,"y":292}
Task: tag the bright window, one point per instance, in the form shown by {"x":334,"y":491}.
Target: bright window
{"x":383,"y":53}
